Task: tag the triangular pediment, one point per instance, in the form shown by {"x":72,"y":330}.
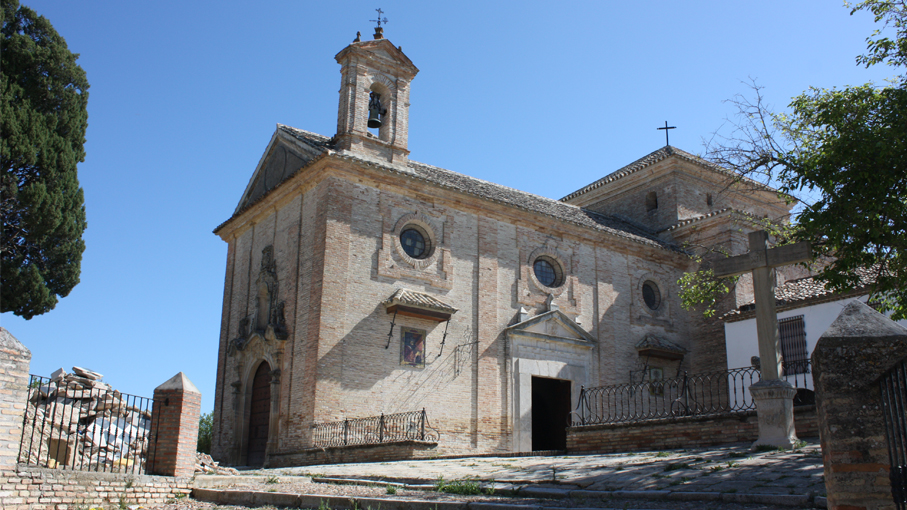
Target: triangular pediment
{"x":553,"y":325}
{"x":382,"y":49}
{"x":289,"y":150}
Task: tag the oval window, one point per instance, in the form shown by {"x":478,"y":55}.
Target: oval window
{"x":414,"y":242}
{"x":548,"y":272}
{"x":651,"y":295}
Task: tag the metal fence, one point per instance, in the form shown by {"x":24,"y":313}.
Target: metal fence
{"x":686,"y":395}
{"x":74,"y":425}
{"x":894,"y":401}
{"x":386,"y":428}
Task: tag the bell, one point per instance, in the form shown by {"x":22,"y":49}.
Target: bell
{"x":374,"y":119}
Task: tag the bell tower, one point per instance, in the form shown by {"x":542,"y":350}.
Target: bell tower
{"x":373,"y":114}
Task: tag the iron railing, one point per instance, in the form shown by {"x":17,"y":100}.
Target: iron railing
{"x":73,"y":425}
{"x":894,"y":403}
{"x":386,"y":428}
{"x":686,"y":395}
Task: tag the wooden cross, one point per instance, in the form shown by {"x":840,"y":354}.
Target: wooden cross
{"x":761,"y":260}
{"x":666,"y":128}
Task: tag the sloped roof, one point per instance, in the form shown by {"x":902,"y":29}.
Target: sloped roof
{"x":419,"y":300}
{"x":654,"y":157}
{"x":658,"y":343}
{"x":322,"y":146}
{"x":802,"y":292}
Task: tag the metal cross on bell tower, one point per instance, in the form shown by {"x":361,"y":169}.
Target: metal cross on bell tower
{"x":379,"y":32}
{"x":666,"y":128}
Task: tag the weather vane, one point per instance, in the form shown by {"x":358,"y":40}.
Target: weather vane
{"x":379,"y":21}
{"x":666,"y":128}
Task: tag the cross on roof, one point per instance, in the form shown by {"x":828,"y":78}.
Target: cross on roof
{"x":761,"y":260}
{"x":379,"y":20}
{"x":666,"y":128}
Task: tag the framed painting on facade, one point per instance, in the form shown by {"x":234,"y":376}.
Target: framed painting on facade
{"x":412,"y":347}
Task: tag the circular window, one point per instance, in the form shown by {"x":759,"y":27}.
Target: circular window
{"x":548,"y":272}
{"x":651,"y":295}
{"x":415,"y":242}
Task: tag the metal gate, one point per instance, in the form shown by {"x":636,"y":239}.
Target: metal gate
{"x":894,"y":401}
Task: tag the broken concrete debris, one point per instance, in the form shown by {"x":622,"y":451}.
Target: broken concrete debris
{"x":205,"y":464}
{"x":78,"y":421}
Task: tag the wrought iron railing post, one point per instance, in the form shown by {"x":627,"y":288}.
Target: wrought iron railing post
{"x":422,"y":427}
{"x":381,"y":428}
{"x":582,"y":404}
{"x":686,"y":394}
{"x":346,"y":431}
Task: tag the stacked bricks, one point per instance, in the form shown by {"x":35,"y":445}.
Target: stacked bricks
{"x":46,"y":489}
{"x":14,"y":363}
{"x":859,"y":347}
{"x":686,"y":432}
{"x":174,"y":427}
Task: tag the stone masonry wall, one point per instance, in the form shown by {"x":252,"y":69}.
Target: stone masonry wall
{"x":859,"y":347}
{"x":687,"y":432}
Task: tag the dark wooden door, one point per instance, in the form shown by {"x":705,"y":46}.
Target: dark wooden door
{"x":550,"y":413}
{"x":259,"y":415}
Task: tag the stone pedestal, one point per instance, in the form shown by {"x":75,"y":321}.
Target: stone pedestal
{"x":775,"y":411}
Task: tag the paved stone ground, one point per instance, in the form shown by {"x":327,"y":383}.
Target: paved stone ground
{"x":729,"y":474}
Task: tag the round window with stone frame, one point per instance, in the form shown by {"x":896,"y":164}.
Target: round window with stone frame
{"x":548,"y":271}
{"x":416,"y":242}
{"x":651,"y":295}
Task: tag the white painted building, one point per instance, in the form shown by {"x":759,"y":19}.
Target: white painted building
{"x":805,"y":310}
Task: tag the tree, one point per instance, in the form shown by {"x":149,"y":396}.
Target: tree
{"x":44,"y":117}
{"x":205,"y":432}
{"x":847,"y":150}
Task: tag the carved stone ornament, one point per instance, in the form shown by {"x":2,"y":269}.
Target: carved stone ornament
{"x":268,"y":320}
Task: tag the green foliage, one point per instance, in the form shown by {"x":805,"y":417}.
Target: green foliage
{"x":846,"y":151}
{"x":43,"y":118}
{"x":391,"y":489}
{"x":703,"y":288}
{"x":205,"y":432}
{"x":272,"y":480}
{"x":461,"y":487}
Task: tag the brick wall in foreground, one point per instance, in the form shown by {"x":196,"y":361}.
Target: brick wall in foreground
{"x":55,"y":489}
{"x":687,"y":432}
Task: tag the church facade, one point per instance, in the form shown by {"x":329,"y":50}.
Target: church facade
{"x":361,"y":283}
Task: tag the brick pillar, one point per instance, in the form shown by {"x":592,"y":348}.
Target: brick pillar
{"x":14,"y":362}
{"x":174,"y":427}
{"x":859,"y":347}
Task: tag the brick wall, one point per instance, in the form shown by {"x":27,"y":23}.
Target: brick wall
{"x":14,"y":362}
{"x":687,"y":432}
{"x":859,"y":347}
{"x":40,"y":489}
{"x":361,"y":453}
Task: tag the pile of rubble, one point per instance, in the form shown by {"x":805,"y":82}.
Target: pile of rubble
{"x":205,"y":464}
{"x":77,"y":420}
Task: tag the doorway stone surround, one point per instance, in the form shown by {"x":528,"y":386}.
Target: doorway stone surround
{"x":547,"y":345}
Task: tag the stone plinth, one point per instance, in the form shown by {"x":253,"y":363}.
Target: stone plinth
{"x":14,"y":362}
{"x":174,"y":427}
{"x":774,"y":400}
{"x":859,"y":347}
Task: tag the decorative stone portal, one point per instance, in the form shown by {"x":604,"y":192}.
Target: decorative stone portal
{"x":547,"y":347}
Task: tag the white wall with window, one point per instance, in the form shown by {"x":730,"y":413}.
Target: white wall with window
{"x":799,"y":328}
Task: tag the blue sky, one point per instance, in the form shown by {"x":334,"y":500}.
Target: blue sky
{"x":538,"y":96}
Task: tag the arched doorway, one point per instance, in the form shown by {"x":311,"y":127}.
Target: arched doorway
{"x":259,"y":415}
